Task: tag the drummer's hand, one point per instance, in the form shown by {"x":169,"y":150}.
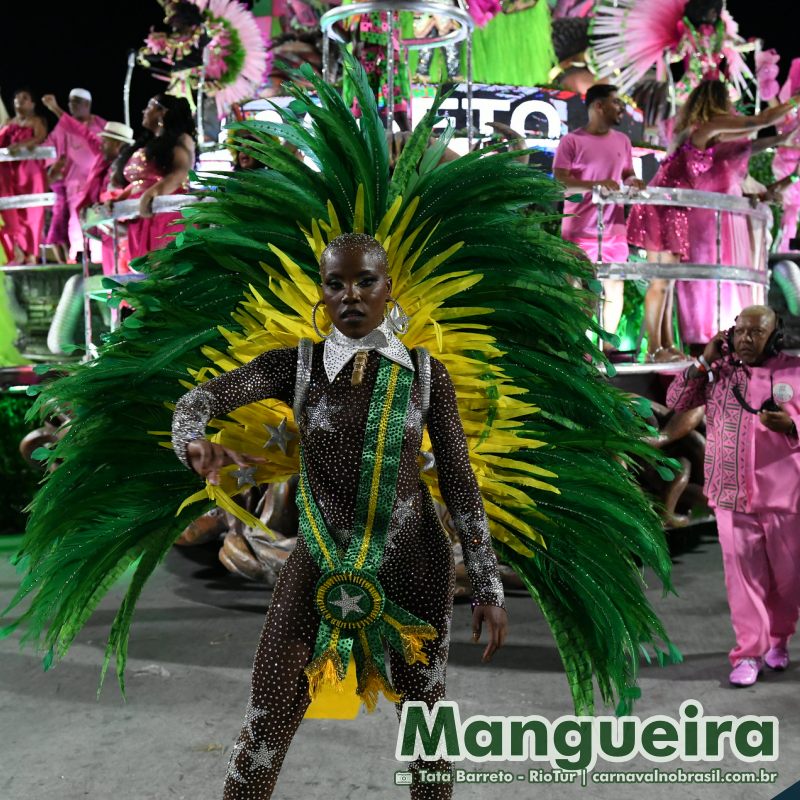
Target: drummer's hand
{"x":496,"y":619}
{"x":207,"y":459}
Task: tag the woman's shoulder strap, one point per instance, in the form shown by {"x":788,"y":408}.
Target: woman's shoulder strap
{"x":305,"y":352}
{"x":423,"y":359}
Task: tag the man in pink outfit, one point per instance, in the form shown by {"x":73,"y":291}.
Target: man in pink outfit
{"x":752,"y":480}
{"x":79,"y":156}
{"x":597,"y":155}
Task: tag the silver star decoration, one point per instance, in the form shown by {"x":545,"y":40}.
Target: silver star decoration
{"x":253,"y":714}
{"x":465,"y":521}
{"x":262,"y":758}
{"x":321,"y":416}
{"x":444,"y":644}
{"x":391,"y":537}
{"x":279,"y":436}
{"x":233,"y":772}
{"x":348,"y":604}
{"x":403,"y":510}
{"x":245,"y":476}
{"x":434,"y":674}
{"x":414,"y":419}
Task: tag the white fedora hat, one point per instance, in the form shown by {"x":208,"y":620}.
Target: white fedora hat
{"x":119,"y":131}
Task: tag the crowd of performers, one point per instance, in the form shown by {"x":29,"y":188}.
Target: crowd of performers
{"x":97,"y":163}
{"x":710,"y":151}
{"x":379,"y":439}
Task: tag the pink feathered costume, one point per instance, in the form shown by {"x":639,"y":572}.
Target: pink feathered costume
{"x":691,"y":232}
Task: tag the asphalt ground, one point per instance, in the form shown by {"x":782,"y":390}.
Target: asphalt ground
{"x":191,"y":652}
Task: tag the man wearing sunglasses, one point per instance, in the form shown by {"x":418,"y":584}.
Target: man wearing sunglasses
{"x":751,"y":391}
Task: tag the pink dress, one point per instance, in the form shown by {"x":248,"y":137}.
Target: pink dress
{"x":691,"y":233}
{"x":22,"y":227}
{"x":697,"y":300}
{"x":156,"y":232}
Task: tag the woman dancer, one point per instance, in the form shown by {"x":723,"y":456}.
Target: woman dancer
{"x":239,"y":289}
{"x":159,"y":166}
{"x":413,"y":561}
{"x":671,"y":234}
{"x":21,"y":229}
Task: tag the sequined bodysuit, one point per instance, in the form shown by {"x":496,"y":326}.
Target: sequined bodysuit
{"x":417,"y":570}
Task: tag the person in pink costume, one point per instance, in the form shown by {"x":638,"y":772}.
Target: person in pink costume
{"x":786,"y":165}
{"x":159,"y":166}
{"x":21,"y":229}
{"x":105,"y":148}
{"x":671,"y":234}
{"x":697,"y":300}
{"x":79,"y":156}
{"x":598,"y":155}
{"x":752,"y":480}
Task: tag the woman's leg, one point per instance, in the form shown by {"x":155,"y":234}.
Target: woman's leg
{"x":279,"y":694}
{"x":667,"y":329}
{"x":659,"y":295}
{"x":426,"y":683}
{"x":421,"y":578}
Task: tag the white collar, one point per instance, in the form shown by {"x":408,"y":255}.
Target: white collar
{"x":339,"y":349}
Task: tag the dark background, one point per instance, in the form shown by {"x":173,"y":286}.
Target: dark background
{"x":53,"y":48}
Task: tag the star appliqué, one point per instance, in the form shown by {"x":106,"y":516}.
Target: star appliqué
{"x":245,"y":476}
{"x":434,"y":674}
{"x":348,"y":604}
{"x":233,"y":772}
{"x":262,"y":758}
{"x":321,"y":416}
{"x":252,"y":715}
{"x":279,"y":436}
{"x":403,"y":510}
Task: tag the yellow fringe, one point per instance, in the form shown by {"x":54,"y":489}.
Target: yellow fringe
{"x":413,"y":644}
{"x":327,"y":670}
{"x":370,"y":686}
{"x":413,"y":638}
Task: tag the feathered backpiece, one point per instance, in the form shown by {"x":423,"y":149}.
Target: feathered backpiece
{"x":235,"y":53}
{"x":631,"y":37}
{"x":488,"y":292}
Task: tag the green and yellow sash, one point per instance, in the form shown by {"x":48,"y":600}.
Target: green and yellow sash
{"x":357,"y":617}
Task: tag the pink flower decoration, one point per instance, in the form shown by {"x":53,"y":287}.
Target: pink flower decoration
{"x":767,"y":73}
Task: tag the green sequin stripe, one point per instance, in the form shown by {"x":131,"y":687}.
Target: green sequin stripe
{"x":383,"y":442}
{"x":326,"y":635}
{"x":319,"y":542}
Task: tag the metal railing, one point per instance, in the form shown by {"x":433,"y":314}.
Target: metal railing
{"x":456,"y":13}
{"x":37,"y":153}
{"x":17,"y":201}
{"x":755,"y":272}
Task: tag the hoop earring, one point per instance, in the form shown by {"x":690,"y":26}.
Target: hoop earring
{"x":314,"y":322}
{"x":397,"y":318}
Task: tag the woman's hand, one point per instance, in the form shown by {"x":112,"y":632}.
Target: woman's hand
{"x":207,"y":459}
{"x":146,"y":204}
{"x":497,"y":620}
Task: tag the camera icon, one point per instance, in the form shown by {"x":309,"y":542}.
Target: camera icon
{"x":403,"y":778}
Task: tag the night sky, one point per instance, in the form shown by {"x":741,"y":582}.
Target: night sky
{"x":85,"y":43}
